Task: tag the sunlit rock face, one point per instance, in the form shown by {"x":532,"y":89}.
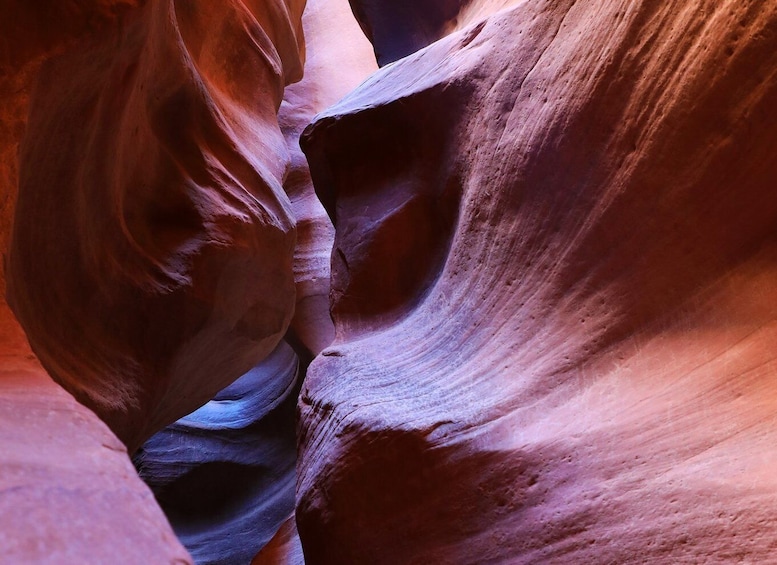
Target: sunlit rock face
{"x":150,"y":183}
{"x":554,"y":294}
{"x":68,"y":492}
{"x":224,"y":474}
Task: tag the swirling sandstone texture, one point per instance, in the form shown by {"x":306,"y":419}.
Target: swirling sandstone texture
{"x":225,"y":474}
{"x":68,"y":492}
{"x":338,"y":59}
{"x":553,"y":290}
{"x":151,"y":260}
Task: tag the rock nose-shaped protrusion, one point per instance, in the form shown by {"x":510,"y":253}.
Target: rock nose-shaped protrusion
{"x":589,"y":376}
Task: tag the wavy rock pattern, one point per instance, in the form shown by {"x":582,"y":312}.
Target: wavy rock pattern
{"x":553,"y":284}
{"x":338,"y":59}
{"x":68,"y":492}
{"x":224,"y":474}
{"x":150,"y":183}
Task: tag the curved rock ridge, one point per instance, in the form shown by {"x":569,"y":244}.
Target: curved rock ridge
{"x":68,"y":492}
{"x":284,"y":548}
{"x":150,"y":183}
{"x":338,"y":59}
{"x":554,"y":285}
{"x":30,"y":32}
{"x":224,"y":474}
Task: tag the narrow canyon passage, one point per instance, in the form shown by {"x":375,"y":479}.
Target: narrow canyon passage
{"x":367,"y":282}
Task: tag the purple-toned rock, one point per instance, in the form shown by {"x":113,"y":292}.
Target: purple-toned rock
{"x":554,"y":294}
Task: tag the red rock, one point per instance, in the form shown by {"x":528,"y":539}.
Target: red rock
{"x":338,"y":59}
{"x":150,"y":185}
{"x":553,"y":293}
{"x":283,"y":549}
{"x":224,"y":474}
{"x":68,"y":491}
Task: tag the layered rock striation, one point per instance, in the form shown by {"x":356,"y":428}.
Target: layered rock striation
{"x":553,"y":283}
{"x":151,"y":184}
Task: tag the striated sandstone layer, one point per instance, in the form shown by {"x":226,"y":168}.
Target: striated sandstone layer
{"x":68,"y":492}
{"x":224,"y":474}
{"x":284,"y":548}
{"x":554,"y":294}
{"x":151,"y":258}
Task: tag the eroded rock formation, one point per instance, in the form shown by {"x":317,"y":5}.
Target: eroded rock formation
{"x":553,"y":284}
{"x":225,"y":474}
{"x":68,"y":492}
{"x":338,"y":59}
{"x":150,"y":184}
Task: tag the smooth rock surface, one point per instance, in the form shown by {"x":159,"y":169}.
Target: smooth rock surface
{"x":284,"y":548}
{"x":224,"y":474}
{"x":338,"y":59}
{"x":150,"y":185}
{"x":68,"y":491}
{"x":554,"y":294}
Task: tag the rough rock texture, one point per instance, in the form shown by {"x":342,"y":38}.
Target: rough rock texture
{"x":224,"y":474}
{"x":338,"y":59}
{"x":150,"y":184}
{"x":553,"y":281}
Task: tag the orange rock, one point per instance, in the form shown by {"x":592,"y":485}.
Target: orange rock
{"x":338,"y":59}
{"x":150,"y":183}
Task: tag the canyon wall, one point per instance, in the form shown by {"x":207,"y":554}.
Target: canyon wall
{"x":553,"y":290}
{"x":151,"y":184}
{"x":553,"y":249}
{"x":68,"y":491}
{"x":225,"y":474}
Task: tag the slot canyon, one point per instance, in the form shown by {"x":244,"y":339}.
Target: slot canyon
{"x":398,"y":282}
